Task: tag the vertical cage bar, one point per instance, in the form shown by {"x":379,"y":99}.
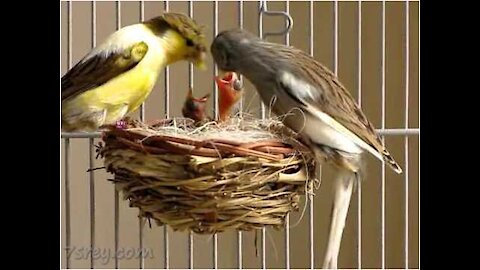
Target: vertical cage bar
{"x":167,"y":115}
{"x":67,"y":201}
{"x":116,"y":198}
{"x":287,"y":241}
{"x":359,"y":100}
{"x":419,"y":141}
{"x":240,"y":253}
{"x":335,"y":37}
{"x":67,"y":146}
{"x":215,"y":251}
{"x":92,"y":200}
{"x":261,"y":6}
{"x":190,"y":65}
{"x":264,"y":255}
{"x":287,"y":218}
{"x":215,"y":98}
{"x":166,"y":248}
{"x":260,"y":18}
{"x":215,"y":69}
{"x":141,"y":259}
{"x":287,"y":35}
{"x":117,"y":227}
{"x":240,"y":25}
{"x":311,"y":231}
{"x":142,"y":118}
{"x":92,"y":154}
{"x":69,"y":34}
{"x":190,"y":85}
{"x":190,"y":250}
{"x":239,"y":233}
{"x":142,"y":106}
{"x":167,"y":84}
{"x":407,"y":81}
{"x":383,"y":137}
{"x":310,"y":196}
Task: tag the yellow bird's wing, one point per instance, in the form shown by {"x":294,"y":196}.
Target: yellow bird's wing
{"x":94,"y":71}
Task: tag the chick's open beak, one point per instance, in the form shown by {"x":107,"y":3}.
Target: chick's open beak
{"x":203,"y":99}
{"x":230,"y":91}
{"x":229,"y":81}
{"x":223,"y":80}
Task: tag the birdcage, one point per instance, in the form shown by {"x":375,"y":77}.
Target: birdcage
{"x":372,"y":46}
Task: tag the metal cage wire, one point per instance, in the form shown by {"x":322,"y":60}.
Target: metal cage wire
{"x":263,"y":11}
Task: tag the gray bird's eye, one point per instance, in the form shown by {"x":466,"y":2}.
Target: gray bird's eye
{"x":237,"y":85}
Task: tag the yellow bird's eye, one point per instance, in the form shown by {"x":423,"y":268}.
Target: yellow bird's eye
{"x":189,"y":42}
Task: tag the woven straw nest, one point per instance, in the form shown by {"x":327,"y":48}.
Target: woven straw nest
{"x":244,"y":174}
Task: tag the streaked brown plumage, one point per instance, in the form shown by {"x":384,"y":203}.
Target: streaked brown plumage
{"x":310,"y":100}
{"x":333,"y":99}
{"x":337,"y":101}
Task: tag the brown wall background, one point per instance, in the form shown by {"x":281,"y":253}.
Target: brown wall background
{"x":323,"y":51}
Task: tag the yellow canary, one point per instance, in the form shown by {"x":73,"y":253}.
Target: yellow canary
{"x":117,"y":76}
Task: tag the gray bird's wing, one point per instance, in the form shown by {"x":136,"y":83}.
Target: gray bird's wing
{"x":323,"y":96}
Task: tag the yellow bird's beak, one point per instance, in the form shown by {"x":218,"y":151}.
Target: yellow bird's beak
{"x":200,"y":61}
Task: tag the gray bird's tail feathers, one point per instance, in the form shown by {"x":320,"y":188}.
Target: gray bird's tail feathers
{"x":343,"y":189}
{"x":391,"y":162}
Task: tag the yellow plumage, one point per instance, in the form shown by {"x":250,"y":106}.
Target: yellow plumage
{"x":130,"y":89}
{"x":127,"y":90}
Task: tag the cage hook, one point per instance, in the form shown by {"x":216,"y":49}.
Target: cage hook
{"x":265,"y":11}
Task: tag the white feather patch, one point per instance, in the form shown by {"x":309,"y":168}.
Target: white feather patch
{"x":327,"y":131}
{"x":244,"y":41}
{"x":301,"y":89}
{"x":123,"y":39}
{"x":327,"y":119}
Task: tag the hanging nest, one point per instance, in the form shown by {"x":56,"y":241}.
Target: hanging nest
{"x":242,"y":174}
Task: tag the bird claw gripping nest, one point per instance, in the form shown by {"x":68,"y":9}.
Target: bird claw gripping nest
{"x":193,"y":178}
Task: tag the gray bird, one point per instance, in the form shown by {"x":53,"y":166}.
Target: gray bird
{"x":311,"y":101}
